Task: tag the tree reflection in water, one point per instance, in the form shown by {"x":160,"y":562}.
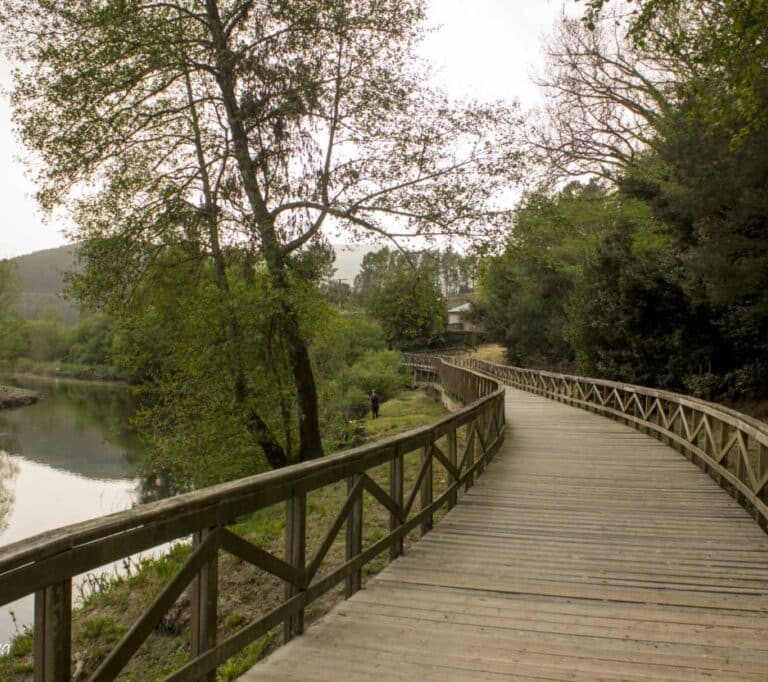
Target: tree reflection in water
{"x":83,"y":428}
{"x":9,"y":469}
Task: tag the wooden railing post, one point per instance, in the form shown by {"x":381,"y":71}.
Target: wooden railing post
{"x":453,"y":459}
{"x":647,"y":402}
{"x":690,"y":419}
{"x":470,"y":458}
{"x":295,"y":555}
{"x":762,"y":470}
{"x":354,"y":543}
{"x":396,"y":486}
{"x":204,"y":604}
{"x":426,"y":488}
{"x":739,"y":470}
{"x":679,"y":430}
{"x":724,"y":434}
{"x":483,"y":423}
{"x":53,"y":633}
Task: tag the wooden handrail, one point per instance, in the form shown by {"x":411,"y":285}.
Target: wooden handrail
{"x":45,"y":564}
{"x":732,"y":447}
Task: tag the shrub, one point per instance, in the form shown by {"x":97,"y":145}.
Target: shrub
{"x":382,"y":371}
{"x":354,"y":404}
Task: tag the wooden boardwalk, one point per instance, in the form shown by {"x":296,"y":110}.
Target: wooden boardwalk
{"x":587,"y":551}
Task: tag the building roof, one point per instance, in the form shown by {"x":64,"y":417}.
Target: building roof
{"x":464,"y":307}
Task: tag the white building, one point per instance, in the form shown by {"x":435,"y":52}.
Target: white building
{"x":457,"y":319}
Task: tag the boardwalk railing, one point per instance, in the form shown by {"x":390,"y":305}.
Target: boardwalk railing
{"x":732,"y":447}
{"x":461,"y":443}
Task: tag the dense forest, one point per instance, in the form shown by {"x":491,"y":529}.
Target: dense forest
{"x":642,"y":254}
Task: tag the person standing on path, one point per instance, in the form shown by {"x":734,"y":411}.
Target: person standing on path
{"x":374,"y":398}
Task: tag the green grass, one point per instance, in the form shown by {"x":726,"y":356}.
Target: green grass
{"x":492,"y":352}
{"x":22,"y":645}
{"x":407,"y":411}
{"x":245,"y":593}
{"x":102,"y":628}
{"x":245,"y":660}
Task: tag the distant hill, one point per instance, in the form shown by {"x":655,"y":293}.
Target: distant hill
{"x":42,"y":282}
{"x":42,"y":272}
{"x":42,"y":277}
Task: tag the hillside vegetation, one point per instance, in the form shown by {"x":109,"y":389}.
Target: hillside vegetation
{"x":41,"y":275}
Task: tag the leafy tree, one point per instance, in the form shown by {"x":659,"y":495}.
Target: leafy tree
{"x":457,"y":271}
{"x":338,"y":293}
{"x":346,"y":396}
{"x":631,"y":321}
{"x":47,"y":338}
{"x":605,"y":100}
{"x":411,"y":309}
{"x":349,"y":354}
{"x":706,"y":180}
{"x":522,"y":306}
{"x":668,"y":102}
{"x":721,"y":45}
{"x":382,"y":371}
{"x":525,"y":292}
{"x":174,"y":340}
{"x":402,"y":291}
{"x":342,"y":339}
{"x":198,"y":124}
{"x":90,"y":341}
{"x":373,"y":272}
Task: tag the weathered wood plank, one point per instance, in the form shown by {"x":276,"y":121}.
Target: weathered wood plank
{"x":587,"y":551}
{"x":53,"y":633}
{"x":295,"y":555}
{"x":354,"y":543}
{"x":396,"y":491}
{"x":132,"y":640}
{"x":204,"y":600}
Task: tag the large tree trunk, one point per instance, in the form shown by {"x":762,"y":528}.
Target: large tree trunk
{"x":298,"y":353}
{"x":275,"y":454}
{"x":306,"y":389}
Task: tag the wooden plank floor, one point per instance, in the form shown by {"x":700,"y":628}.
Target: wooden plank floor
{"x":587,"y":551}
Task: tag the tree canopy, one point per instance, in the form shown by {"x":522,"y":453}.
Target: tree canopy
{"x":659,"y":274}
{"x":403,"y":292}
{"x":229,"y":133}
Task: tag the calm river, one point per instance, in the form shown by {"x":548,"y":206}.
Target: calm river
{"x":70,"y":457}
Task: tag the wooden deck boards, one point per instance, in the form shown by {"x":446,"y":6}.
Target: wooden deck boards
{"x":587,"y":551}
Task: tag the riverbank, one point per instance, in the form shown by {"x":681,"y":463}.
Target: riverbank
{"x":10,"y":396}
{"x":62,"y":370}
{"x":109,"y":606}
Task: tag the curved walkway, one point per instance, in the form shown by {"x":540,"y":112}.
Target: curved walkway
{"x":587,"y":551}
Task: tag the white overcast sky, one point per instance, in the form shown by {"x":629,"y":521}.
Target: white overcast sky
{"x":481,"y":48}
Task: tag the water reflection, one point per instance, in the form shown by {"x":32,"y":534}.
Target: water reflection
{"x":9,"y":470}
{"x":72,"y":456}
{"x":80,"y":427}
